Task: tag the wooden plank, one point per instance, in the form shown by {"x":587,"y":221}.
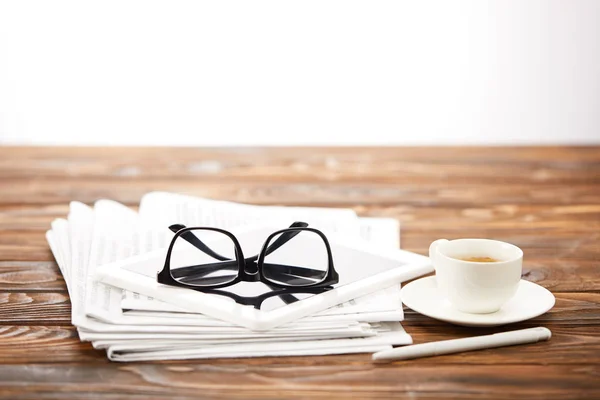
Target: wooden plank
{"x":31,"y":276}
{"x":33,"y":308}
{"x":562,"y":243}
{"x":496,"y":218}
{"x":24,"y":246}
{"x":575,"y":345}
{"x":484,"y":154}
{"x":559,"y":275}
{"x":493,"y":217}
{"x":563,"y":262}
{"x":394,"y":165}
{"x":45,"y":344}
{"x":465,"y":195}
{"x":536,"y":245}
{"x":571,"y":309}
{"x":316,"y":381}
{"x":539,"y":246}
{"x":569,"y":344}
{"x":31,"y":217}
{"x":563,"y":275}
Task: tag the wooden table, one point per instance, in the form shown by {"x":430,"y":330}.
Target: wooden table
{"x":545,"y":200}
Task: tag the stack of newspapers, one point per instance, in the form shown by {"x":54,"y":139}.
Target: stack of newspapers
{"x":109,"y":255}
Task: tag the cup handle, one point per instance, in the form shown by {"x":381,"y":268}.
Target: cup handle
{"x":433,"y":248}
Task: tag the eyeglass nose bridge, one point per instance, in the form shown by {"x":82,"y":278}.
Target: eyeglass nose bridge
{"x":251,"y":269}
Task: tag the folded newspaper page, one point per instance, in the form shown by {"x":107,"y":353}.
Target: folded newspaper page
{"x":135,"y":326}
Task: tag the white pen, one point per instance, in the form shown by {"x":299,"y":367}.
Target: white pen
{"x":511,"y":338}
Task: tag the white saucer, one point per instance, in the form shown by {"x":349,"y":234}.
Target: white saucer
{"x":423,"y":296}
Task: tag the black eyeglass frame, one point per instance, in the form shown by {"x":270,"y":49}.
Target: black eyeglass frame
{"x":286,"y":295}
{"x":248,"y":271}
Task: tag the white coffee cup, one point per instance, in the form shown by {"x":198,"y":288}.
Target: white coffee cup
{"x":476,"y":287}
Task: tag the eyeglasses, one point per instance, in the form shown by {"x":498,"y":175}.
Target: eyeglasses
{"x":293,"y":262}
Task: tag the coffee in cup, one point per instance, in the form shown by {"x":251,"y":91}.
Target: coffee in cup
{"x":476,"y":275}
{"x":478,"y":259}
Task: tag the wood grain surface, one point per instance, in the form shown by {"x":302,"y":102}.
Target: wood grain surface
{"x":543,"y":199}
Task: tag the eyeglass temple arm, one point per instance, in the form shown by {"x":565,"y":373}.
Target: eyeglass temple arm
{"x":257,"y":301}
{"x":282,"y":239}
{"x":287,"y":298}
{"x":199,"y":244}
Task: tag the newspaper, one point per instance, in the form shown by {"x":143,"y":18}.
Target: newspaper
{"x":132,"y":326}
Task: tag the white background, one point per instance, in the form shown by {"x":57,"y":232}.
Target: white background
{"x":299,"y":72}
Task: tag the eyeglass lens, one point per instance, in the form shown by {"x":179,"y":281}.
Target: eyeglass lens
{"x":204,"y":258}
